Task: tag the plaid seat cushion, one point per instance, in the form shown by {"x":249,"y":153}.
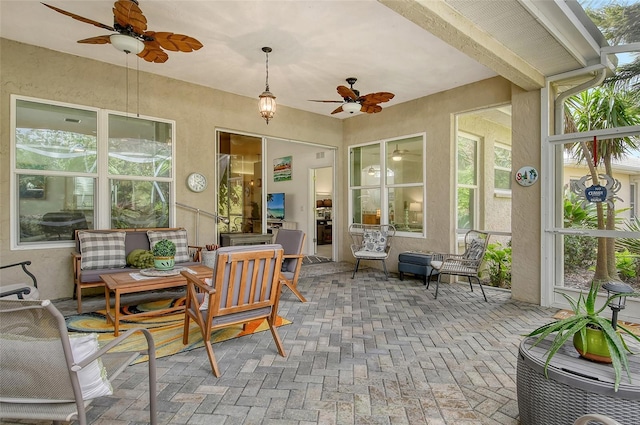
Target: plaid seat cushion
{"x":102,"y":250}
{"x":178,"y":237}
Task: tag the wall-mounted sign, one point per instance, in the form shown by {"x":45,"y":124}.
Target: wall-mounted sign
{"x":526,"y":176}
{"x":605,"y":191}
{"x":596,"y":193}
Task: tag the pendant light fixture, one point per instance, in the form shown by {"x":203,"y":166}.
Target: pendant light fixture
{"x":267,"y":103}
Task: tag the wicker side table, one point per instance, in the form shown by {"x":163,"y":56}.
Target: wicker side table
{"x":575,"y":387}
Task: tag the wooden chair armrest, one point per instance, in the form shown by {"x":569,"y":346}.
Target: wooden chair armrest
{"x":293,"y":256}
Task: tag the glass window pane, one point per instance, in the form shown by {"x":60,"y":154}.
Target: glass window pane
{"x":365,"y":165}
{"x":139,"y":147}
{"x":466,"y":208}
{"x":406,"y":208}
{"x":502,"y":179}
{"x":502,"y":157}
{"x":48,"y":209}
{"x":467,"y":154}
{"x":405,"y":159}
{"x":366,"y":206}
{"x":55,"y":138}
{"x":139,"y":204}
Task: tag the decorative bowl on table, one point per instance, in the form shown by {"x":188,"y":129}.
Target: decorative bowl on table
{"x":164,"y":263}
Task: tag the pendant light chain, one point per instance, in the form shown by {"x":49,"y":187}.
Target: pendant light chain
{"x":267,"y":103}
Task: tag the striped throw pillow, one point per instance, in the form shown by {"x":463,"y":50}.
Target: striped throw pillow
{"x":178,"y":237}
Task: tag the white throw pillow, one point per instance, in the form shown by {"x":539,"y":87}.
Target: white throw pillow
{"x":93,"y":377}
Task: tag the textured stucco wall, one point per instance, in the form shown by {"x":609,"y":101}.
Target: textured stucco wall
{"x":45,"y":74}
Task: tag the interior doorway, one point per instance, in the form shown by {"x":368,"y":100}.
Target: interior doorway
{"x":322,"y":181}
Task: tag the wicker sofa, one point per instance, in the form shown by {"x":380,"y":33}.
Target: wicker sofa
{"x":100,"y":256}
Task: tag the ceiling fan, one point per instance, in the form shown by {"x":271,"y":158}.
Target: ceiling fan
{"x":130,"y":26}
{"x":353,"y":102}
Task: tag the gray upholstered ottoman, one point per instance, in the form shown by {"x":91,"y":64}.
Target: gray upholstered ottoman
{"x":416,"y":263}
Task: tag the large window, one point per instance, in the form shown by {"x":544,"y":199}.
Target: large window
{"x":502,"y":167}
{"x":387,"y":183}
{"x":71,"y":174}
{"x":467,"y":157}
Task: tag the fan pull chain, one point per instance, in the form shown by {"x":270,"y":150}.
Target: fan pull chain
{"x":127,"y":83}
{"x":138,"y":85}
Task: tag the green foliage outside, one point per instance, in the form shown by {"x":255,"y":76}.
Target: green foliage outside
{"x":498,"y":261}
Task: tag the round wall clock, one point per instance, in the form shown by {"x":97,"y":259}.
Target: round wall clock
{"x":197,"y":182}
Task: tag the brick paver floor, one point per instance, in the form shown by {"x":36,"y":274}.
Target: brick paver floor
{"x":360,"y":351}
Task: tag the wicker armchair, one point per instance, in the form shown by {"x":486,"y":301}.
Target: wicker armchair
{"x":371,"y":242}
{"x":466,"y":264}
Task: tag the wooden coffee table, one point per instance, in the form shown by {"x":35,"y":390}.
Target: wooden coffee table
{"x":124,"y":283}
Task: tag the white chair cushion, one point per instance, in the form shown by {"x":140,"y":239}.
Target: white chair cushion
{"x":374,"y":241}
{"x":436,"y":264}
{"x":376,"y":255}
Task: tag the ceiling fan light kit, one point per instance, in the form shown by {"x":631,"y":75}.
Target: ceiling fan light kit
{"x":352,"y":101}
{"x":132,"y":36}
{"x":267,"y":103}
{"x":126,"y":43}
{"x":351,"y":107}
{"x":396,"y":155}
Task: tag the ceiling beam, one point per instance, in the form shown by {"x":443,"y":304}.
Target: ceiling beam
{"x":443,"y":21}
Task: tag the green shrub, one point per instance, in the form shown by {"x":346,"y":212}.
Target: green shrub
{"x":627,"y":265}
{"x":498,"y":260}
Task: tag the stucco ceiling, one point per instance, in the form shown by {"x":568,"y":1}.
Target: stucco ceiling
{"x":388,"y":45}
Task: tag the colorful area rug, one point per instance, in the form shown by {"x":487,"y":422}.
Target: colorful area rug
{"x":633,"y":327}
{"x":166,"y":329}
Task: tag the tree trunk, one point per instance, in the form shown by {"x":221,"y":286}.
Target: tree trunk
{"x":612,"y":269}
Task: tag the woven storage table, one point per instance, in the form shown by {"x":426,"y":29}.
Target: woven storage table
{"x":574,"y":388}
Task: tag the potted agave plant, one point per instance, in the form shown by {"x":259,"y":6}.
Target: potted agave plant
{"x":164,"y":252}
{"x":595,"y":337}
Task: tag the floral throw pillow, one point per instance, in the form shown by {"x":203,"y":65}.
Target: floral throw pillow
{"x":374,"y":240}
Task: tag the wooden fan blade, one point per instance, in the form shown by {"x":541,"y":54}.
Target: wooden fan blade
{"x":126,"y":13}
{"x":370,"y":108}
{"x":101,"y":39}
{"x":80,"y":18}
{"x":346,"y":92}
{"x":379,"y":97}
{"x":337,"y":110}
{"x":152,"y":52}
{"x":327,"y":101}
{"x":175,"y":42}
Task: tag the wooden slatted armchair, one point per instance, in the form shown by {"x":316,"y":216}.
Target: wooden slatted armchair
{"x":466,"y":264}
{"x":246,"y":286}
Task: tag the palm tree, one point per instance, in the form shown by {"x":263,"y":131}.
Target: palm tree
{"x":597,"y":109}
{"x":620,"y":25}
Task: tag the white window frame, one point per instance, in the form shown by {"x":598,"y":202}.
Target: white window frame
{"x":102,"y":195}
{"x":478,"y":185}
{"x":498,"y":191}
{"x":383,"y":186}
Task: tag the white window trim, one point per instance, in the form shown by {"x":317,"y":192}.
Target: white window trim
{"x":102,"y":196}
{"x":384,"y":207}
